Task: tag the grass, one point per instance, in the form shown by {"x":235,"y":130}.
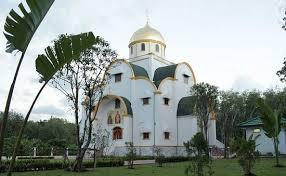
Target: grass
{"x":264,"y":167}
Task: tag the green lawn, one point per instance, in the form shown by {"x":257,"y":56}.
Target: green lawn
{"x":221,"y":168}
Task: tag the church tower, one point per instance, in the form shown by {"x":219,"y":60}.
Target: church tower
{"x":146,"y":40}
{"x":147,"y":49}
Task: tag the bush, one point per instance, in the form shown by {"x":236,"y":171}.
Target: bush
{"x":246,"y":154}
{"x":45,"y":164}
{"x":270,"y":154}
{"x":201,"y":163}
{"x":173,"y":159}
{"x":36,"y":157}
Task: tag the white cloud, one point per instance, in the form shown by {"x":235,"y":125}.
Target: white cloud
{"x":49,"y":110}
{"x":243,"y":83}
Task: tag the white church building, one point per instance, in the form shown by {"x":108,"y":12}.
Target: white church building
{"x":147,"y":101}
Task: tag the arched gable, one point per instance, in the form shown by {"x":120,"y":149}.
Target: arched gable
{"x":135,"y":69}
{"x":166,"y":73}
{"x":191,"y":69}
{"x":126,"y":103}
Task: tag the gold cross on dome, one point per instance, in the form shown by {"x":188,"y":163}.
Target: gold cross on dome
{"x":147,"y":12}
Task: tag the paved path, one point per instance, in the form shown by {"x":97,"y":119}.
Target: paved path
{"x":139,"y":162}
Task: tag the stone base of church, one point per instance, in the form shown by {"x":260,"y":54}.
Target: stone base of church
{"x":149,"y":151}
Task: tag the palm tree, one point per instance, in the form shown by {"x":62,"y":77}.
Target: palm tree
{"x":65,"y":50}
{"x":271,"y":124}
{"x":19,"y":31}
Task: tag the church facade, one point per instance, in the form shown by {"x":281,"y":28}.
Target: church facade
{"x":147,"y":100}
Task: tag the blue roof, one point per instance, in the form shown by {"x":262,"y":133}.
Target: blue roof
{"x":164,"y":72}
{"x":185,"y":106}
{"x":139,"y":71}
{"x":256,"y":121}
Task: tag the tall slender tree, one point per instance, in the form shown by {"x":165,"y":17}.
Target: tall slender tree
{"x":87,"y":78}
{"x":271,"y":125}
{"x":64,"y":51}
{"x":206,"y":102}
{"x":230,"y":112}
{"x":19,"y":31}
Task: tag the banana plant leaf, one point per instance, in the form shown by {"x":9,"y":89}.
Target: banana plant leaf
{"x":65,"y":50}
{"x":19,"y":29}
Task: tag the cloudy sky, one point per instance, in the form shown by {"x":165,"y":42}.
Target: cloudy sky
{"x":233,"y":44}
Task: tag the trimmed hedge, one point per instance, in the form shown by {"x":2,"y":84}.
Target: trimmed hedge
{"x":35,"y":157}
{"x":37,"y":165}
{"x":125,"y":158}
{"x":173,"y":159}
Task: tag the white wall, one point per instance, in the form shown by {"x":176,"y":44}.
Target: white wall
{"x":122,"y":88}
{"x":143,"y":114}
{"x":187,"y":128}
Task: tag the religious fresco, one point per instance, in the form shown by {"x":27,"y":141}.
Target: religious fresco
{"x":114,"y":116}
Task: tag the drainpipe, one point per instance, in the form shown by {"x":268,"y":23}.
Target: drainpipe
{"x":177,"y":135}
{"x":154,"y":119}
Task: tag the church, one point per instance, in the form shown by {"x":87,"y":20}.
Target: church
{"x":147,"y":100}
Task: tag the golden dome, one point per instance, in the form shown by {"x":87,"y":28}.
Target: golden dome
{"x":147,"y":34}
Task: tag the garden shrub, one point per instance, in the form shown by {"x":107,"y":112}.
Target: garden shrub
{"x":45,"y":164}
{"x":246,"y":154}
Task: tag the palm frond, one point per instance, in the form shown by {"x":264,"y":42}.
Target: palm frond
{"x":66,"y":49}
{"x":18,"y":29}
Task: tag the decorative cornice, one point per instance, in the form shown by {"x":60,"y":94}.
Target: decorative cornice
{"x":147,"y":40}
{"x":144,"y":78}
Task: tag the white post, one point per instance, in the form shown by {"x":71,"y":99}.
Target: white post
{"x":35,"y":151}
{"x":52,"y":151}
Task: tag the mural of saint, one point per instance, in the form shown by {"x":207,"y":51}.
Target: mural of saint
{"x":117,"y":118}
{"x":109,"y":120}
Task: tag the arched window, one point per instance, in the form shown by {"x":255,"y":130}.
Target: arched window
{"x":117,"y":133}
{"x":143,"y":47}
{"x":117,"y":103}
{"x":109,"y":120}
{"x":131,"y":49}
{"x":157,"y":48}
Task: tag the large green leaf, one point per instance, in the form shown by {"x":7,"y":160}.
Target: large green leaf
{"x":65,"y":50}
{"x":271,"y":119}
{"x":19,"y":30}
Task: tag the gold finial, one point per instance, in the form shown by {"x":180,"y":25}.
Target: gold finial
{"x":147,"y":16}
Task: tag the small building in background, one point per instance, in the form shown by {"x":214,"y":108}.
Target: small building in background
{"x":264,"y":143}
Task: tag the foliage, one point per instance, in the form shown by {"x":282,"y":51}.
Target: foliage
{"x":19,"y":31}
{"x":65,"y":50}
{"x":54,"y":133}
{"x":245,"y":151}
{"x":230,"y":113}
{"x":198,"y":147}
{"x":173,"y":159}
{"x":271,"y":124}
{"x":101,"y":139}
{"x":86,"y":77}
{"x":206,"y":101}
{"x":282,"y":72}
{"x":159,"y":157}
{"x":130,"y":154}
{"x":24,"y":165}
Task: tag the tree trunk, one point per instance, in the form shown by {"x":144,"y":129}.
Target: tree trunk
{"x":225,"y":145}
{"x":94,"y":158}
{"x":77,"y":167}
{"x":12,"y":162}
{"x":7,"y":106}
{"x":276,"y":150}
